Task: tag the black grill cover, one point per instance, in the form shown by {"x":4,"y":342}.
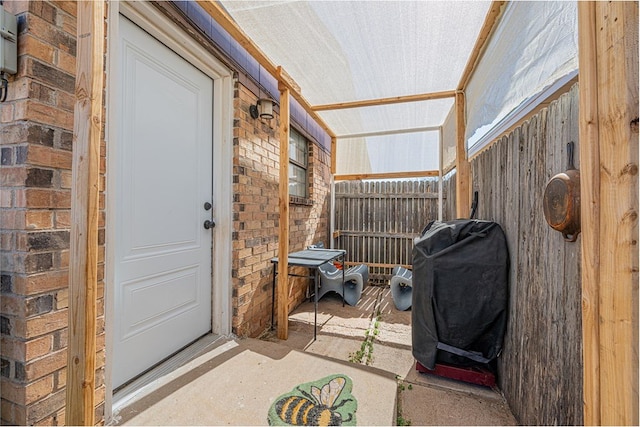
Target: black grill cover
{"x":460,"y":291}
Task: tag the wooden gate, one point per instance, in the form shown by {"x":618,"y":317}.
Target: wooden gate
{"x":376,"y":221}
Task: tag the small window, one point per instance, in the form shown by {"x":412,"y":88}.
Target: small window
{"x":298,"y":163}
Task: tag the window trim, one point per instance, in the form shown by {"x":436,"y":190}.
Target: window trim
{"x":293,"y":198}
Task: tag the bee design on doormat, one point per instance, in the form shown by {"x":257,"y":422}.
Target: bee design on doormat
{"x":316,"y":408}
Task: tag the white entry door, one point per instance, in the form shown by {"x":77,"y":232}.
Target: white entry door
{"x":163,"y":253}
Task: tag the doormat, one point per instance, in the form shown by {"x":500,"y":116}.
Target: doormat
{"x":325,"y":402}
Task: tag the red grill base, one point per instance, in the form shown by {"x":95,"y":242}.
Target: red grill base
{"x":469,"y":375}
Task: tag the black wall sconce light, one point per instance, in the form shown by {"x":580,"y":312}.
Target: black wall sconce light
{"x":262,"y":109}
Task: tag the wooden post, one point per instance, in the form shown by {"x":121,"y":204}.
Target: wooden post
{"x":617,"y":83}
{"x":332,"y":205}
{"x":222,"y":17}
{"x":488,"y":26}
{"x":283,"y":247}
{"x":608,"y":52}
{"x":334,"y":154}
{"x":590,"y":210}
{"x":463,"y":168}
{"x":440,"y":174}
{"x":332,"y":213}
{"x":83,"y":264}
{"x":463,"y":182}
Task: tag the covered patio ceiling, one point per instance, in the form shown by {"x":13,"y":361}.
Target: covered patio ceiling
{"x":372,"y":69}
{"x":343,"y":52}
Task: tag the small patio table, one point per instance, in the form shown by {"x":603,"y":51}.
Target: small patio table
{"x":311,"y":258}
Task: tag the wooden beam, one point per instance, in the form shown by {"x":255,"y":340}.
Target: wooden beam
{"x":390,"y":175}
{"x":332,"y":213}
{"x":448,"y":169}
{"x":283,"y":203}
{"x":385,"y":101}
{"x":617,"y":85}
{"x":608,"y":61}
{"x":463,"y":168}
{"x":390,"y":235}
{"x":440,"y":175}
{"x":222,"y":17}
{"x":377,"y":264}
{"x":490,"y":22}
{"x":283,"y":76}
{"x":83,"y":265}
{"x":589,"y":210}
{"x":391,"y":132}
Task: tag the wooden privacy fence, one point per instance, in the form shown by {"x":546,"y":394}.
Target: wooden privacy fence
{"x":376,"y":221}
{"x":540,"y":370}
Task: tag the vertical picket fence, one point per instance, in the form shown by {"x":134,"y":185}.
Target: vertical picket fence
{"x":540,"y":370}
{"x":376,"y":221}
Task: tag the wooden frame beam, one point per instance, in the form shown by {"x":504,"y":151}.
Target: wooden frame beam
{"x":283,"y":203}
{"x":590,"y":209}
{"x":288,"y":88}
{"x":390,"y":132}
{"x":385,"y":101}
{"x":220,"y":15}
{"x":608,"y":61}
{"x":378,"y":264}
{"x":440,"y":177}
{"x":83,"y":268}
{"x":463,"y":168}
{"x":389,"y":175}
{"x":490,"y":22}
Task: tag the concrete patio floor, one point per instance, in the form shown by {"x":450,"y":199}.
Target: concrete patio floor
{"x":422,"y":399}
{"x":235,"y":381}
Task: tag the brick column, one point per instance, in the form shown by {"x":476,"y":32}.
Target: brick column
{"x":36,"y":125}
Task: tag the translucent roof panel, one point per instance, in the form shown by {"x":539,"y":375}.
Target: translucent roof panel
{"x":408,"y":152}
{"x":539,"y":43}
{"x":383,"y":118}
{"x":343,"y":51}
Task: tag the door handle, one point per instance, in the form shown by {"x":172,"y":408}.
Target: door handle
{"x":208,"y":224}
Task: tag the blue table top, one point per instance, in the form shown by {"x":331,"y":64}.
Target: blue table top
{"x":312,"y":257}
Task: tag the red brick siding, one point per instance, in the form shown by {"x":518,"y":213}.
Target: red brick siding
{"x":36,"y":132}
{"x":256,"y":214}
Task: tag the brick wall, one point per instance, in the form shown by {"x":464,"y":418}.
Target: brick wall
{"x":255,"y":214}
{"x":36,"y":130}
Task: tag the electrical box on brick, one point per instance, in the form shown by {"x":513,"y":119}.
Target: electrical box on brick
{"x":8,"y":42}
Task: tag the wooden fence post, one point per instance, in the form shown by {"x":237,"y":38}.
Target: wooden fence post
{"x":608,"y":52}
{"x":83,"y":256}
{"x":283,"y":246}
{"x":463,"y":168}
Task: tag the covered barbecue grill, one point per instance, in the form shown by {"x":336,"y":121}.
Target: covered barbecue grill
{"x":460,"y":279}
